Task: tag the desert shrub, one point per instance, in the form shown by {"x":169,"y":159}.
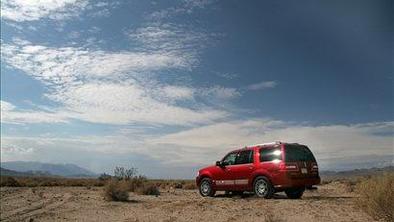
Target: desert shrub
{"x":104,"y":177}
{"x":116,"y":190}
{"x":148,"y":189}
{"x":178,"y":185}
{"x":377,"y":196}
{"x":349,"y":185}
{"x":122,"y":173}
{"x":137,"y":182}
{"x":190,"y":186}
{"x":6,"y":181}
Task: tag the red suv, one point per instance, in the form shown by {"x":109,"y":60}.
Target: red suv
{"x":264,"y":169}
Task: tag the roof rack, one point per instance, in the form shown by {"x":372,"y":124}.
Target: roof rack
{"x":266,"y":144}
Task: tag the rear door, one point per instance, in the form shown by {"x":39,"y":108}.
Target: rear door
{"x":270,"y":158}
{"x":302,"y":158}
{"x":243,"y":168}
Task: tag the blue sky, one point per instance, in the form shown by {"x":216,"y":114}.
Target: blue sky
{"x":169,"y":86}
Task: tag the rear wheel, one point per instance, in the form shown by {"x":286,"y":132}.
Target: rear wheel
{"x":205,"y":188}
{"x":295,"y":193}
{"x":263,"y":188}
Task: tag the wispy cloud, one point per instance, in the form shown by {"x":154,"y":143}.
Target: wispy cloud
{"x":110,"y":87}
{"x":170,"y":38}
{"x":185,"y":7}
{"x":327,"y":141}
{"x":219,"y":92}
{"x":19,"y":10}
{"x":10,"y":114}
{"x":27,"y":10}
{"x":332,"y":145}
{"x":262,"y":85}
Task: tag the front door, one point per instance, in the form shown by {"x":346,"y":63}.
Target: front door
{"x":223,"y":178}
{"x":242,"y":170}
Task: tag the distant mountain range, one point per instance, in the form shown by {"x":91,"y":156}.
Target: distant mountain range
{"x":7,"y":172}
{"x":356,"y":172}
{"x":23,"y":168}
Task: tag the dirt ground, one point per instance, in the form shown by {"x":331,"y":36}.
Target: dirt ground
{"x":331,"y":202}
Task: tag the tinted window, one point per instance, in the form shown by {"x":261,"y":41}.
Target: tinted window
{"x":298,"y":153}
{"x":245,"y":156}
{"x":230,"y":159}
{"x":269,"y":154}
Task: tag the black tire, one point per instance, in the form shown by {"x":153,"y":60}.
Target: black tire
{"x":263,"y":188}
{"x":205,"y":188}
{"x":295,"y":193}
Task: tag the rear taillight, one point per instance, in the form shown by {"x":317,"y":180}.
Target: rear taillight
{"x":314,"y":167}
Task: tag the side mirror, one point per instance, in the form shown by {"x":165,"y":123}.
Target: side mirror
{"x":221,"y":164}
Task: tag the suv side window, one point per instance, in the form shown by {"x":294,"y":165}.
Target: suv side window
{"x":245,"y":156}
{"x":270,"y":154}
{"x":230,"y":159}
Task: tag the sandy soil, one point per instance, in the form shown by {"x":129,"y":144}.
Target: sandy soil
{"x":330,"y":202}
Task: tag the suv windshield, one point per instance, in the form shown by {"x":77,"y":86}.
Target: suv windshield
{"x":298,"y":153}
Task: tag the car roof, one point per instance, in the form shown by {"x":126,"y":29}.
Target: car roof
{"x":270,"y":144}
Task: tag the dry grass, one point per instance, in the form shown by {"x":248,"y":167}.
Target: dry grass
{"x":148,"y":189}
{"x":377,"y":196}
{"x":6,"y":181}
{"x":270,"y":217}
{"x":51,"y":181}
{"x":116,"y":190}
{"x":190,"y":186}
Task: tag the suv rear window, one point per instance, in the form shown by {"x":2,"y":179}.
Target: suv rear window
{"x":270,"y":154}
{"x":295,"y":153}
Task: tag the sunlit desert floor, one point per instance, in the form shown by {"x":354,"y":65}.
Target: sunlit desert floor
{"x":331,"y":202}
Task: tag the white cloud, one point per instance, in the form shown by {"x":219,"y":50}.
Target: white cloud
{"x":9,"y":114}
{"x":30,"y":10}
{"x":333,"y":145}
{"x":6,"y":106}
{"x":185,"y":7}
{"x":176,"y":92}
{"x":111,"y":87}
{"x":219,"y":92}
{"x":169,"y":38}
{"x":327,"y":142}
{"x":33,"y":10}
{"x":262,"y":85}
{"x":69,"y":64}
{"x":128,"y":102}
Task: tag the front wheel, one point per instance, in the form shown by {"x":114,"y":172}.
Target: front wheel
{"x":295,"y":193}
{"x":205,"y":188}
{"x":263,"y":188}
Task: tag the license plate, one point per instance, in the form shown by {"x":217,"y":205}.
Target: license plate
{"x":304,"y":171}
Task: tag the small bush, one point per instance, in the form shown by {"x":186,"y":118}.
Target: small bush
{"x":136,"y":182}
{"x":178,"y":185}
{"x":148,"y":189}
{"x":104,"y":177}
{"x":190,"y":186}
{"x":7,"y":181}
{"x":377,"y":196}
{"x":116,"y":190}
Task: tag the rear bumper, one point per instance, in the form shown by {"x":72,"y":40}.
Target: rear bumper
{"x":287,"y":182}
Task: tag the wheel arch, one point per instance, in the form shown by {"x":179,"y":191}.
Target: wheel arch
{"x":205,"y":175}
{"x":260,"y":174}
